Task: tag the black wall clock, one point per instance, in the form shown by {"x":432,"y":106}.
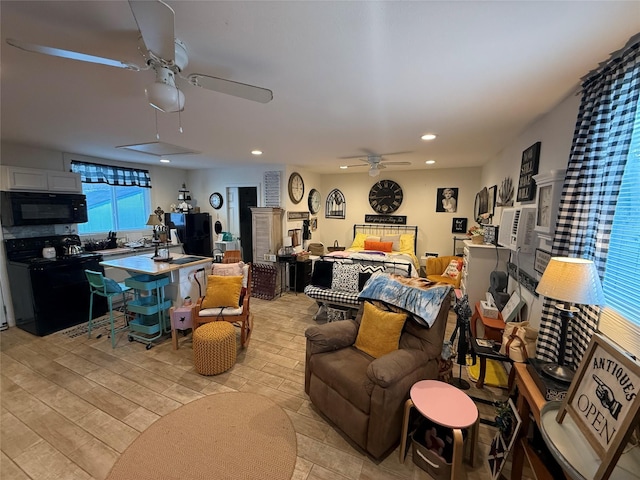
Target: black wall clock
{"x":385,"y":196}
{"x":216,"y":200}
{"x":314,"y":201}
{"x":296,"y":187}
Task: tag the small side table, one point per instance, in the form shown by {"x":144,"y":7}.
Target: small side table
{"x":493,"y":327}
{"x":448,"y":406}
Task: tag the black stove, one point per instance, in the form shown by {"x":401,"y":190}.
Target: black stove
{"x":50,"y":294}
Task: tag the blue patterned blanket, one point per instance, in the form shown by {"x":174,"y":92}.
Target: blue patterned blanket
{"x":414,"y":295}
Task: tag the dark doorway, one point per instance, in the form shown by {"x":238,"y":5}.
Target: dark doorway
{"x":247,"y":198}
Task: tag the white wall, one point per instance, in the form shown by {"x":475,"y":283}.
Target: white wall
{"x":555,"y":131}
{"x":419,"y":189}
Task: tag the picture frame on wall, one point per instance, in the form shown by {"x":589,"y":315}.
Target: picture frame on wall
{"x":541,"y":260}
{"x":459,"y":225}
{"x":491,"y":205}
{"x":528,"y":168}
{"x":447,"y":200}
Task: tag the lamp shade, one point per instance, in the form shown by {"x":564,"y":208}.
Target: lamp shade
{"x":374,"y":171}
{"x":154,"y":220}
{"x":573,"y":280}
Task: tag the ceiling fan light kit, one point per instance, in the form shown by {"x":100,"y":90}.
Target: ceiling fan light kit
{"x":165,"y":54}
{"x":163,"y":93}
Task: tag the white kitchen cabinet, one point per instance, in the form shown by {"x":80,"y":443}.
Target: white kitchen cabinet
{"x":479,"y":262}
{"x":32,"y":179}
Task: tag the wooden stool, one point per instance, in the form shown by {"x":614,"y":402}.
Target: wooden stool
{"x":445,"y":405}
{"x":214,"y":348}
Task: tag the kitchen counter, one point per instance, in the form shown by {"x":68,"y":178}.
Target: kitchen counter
{"x":146,"y":264}
{"x":134,"y":251}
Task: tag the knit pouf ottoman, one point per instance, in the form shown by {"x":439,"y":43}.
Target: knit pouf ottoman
{"x":214,"y":348}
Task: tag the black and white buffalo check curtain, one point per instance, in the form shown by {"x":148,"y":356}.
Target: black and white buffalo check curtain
{"x":119,"y":176}
{"x":599,"y":152}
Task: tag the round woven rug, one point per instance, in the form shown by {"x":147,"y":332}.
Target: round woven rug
{"x":223,"y":436}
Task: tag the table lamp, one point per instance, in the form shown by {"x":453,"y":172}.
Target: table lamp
{"x":155,"y":222}
{"x":571,"y":281}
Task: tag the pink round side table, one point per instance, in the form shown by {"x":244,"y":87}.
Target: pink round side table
{"x":445,"y":405}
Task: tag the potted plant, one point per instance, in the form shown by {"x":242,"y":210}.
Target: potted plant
{"x":477,"y":231}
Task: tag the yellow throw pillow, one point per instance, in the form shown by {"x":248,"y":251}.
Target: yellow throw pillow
{"x":222,"y":291}
{"x":379,"y":331}
{"x":358,"y":242}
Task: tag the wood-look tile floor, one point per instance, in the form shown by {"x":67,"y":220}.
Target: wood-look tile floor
{"x":69,"y":407}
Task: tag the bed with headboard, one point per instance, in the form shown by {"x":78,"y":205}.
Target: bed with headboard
{"x":396,"y":257}
{"x":391,"y":245}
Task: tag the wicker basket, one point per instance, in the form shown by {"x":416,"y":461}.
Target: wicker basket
{"x":263,"y":280}
{"x":335,"y":248}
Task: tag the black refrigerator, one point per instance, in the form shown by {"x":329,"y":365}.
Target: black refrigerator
{"x":194,"y":231}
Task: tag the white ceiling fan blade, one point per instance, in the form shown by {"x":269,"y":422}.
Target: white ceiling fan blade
{"x":229,"y":87}
{"x":395,"y":163}
{"x":83,"y":57}
{"x":358,"y":165}
{"x":155,"y":21}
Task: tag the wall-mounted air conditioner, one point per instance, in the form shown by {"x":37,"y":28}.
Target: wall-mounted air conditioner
{"x":517,"y":228}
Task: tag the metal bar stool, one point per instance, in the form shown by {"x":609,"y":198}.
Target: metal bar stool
{"x":108,"y":288}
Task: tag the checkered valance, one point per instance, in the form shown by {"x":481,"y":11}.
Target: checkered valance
{"x":597,"y":161}
{"x":120,"y":176}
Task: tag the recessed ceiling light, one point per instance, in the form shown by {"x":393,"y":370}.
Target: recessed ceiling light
{"x":165,"y":160}
{"x":256,"y":152}
{"x":430,"y":162}
{"x":428,"y":136}
{"x":343,"y":167}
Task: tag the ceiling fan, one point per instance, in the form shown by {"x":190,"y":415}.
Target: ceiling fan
{"x":165,"y":54}
{"x":374,"y":161}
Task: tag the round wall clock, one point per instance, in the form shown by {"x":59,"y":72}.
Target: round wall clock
{"x":216,"y":200}
{"x":314,"y":201}
{"x":296,"y":187}
{"x":385,"y":196}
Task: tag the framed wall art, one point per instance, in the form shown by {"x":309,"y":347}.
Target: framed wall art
{"x":491,"y":205}
{"x":541,"y":260}
{"x":549,"y":190}
{"x":528,"y":168}
{"x":447,"y":200}
{"x":459,"y":225}
{"x":335,"y":205}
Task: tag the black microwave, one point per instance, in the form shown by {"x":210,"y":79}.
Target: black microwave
{"x":42,"y":208}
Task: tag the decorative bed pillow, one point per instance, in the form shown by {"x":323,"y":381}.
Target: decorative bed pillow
{"x":360,"y":238}
{"x":395,"y":239}
{"x":322,"y":274}
{"x":379,"y":331}
{"x":378,"y":246}
{"x":227,"y":269}
{"x":366,"y":272}
{"x":222,"y":291}
{"x":345,"y":277}
{"x":407,"y":243}
{"x":453,"y":269}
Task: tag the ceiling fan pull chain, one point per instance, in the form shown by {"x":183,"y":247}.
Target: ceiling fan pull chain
{"x":157,"y":134}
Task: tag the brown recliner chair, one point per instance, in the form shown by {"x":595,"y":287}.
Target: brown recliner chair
{"x":364,"y":397}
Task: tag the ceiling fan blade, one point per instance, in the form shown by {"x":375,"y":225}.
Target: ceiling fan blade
{"x":358,"y":165}
{"x":155,"y":21}
{"x":229,"y":87}
{"x":394,"y":153}
{"x":395,"y":163}
{"x":83,"y":57}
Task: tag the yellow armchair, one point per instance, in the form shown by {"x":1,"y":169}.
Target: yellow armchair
{"x":436,"y":267}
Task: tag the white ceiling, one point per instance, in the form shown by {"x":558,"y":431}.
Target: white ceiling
{"x":346,"y":76}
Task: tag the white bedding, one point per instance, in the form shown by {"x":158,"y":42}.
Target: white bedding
{"x":404,"y":261}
